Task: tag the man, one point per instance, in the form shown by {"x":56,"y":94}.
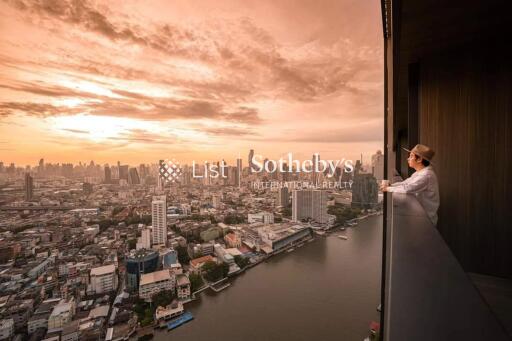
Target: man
{"x":423,"y":183}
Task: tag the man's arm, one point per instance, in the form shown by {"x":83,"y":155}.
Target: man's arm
{"x":410,"y":185}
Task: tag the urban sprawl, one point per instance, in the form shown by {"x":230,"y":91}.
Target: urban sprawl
{"x":109,"y":252}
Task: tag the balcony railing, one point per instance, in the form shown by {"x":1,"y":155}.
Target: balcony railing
{"x":428,"y":296}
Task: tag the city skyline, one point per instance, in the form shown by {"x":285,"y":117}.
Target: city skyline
{"x":125,"y":81}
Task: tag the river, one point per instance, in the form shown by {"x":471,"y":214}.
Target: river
{"x":325,"y":290}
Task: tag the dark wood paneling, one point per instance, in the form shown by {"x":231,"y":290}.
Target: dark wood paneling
{"x":465,"y":115}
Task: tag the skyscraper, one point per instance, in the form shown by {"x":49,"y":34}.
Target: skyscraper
{"x":249,"y":162}
{"x":160,"y":184}
{"x":283,"y":197}
{"x":314,"y":173}
{"x":159,"y":219}
{"x":41,"y":166}
{"x":123,"y":172}
{"x":378,"y":165}
{"x":364,"y":191}
{"x":143,"y":171}
{"x":108,"y":175}
{"x":309,"y":203}
{"x":133,"y":176}
{"x":238,"y":179}
{"x":29,"y":187}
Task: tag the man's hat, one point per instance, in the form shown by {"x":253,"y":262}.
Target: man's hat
{"x":421,"y":150}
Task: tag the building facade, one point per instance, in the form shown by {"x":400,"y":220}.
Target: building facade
{"x":103,"y":279}
{"x":159,"y":219}
{"x":155,"y":282}
{"x":310,"y":204}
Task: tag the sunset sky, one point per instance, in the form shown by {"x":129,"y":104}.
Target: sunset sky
{"x":139,"y":81}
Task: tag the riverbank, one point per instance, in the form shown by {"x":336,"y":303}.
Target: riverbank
{"x":334,"y":285}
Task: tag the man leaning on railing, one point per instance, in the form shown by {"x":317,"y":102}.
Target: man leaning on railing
{"x":423,"y":183}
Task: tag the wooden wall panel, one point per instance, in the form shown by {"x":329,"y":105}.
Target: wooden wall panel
{"x":465,"y":115}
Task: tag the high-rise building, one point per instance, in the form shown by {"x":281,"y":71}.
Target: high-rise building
{"x":29,"y":187}
{"x":186,"y":175}
{"x":378,"y":165}
{"x":159,"y":219}
{"x":314,"y":173}
{"x":133,"y":176}
{"x":169,"y":257}
{"x":283,"y":197}
{"x":238,"y":179}
{"x":123,"y":172}
{"x":364,"y":191}
{"x":309,"y":204}
{"x":160,"y":184}
{"x":137,"y":263}
{"x":249,"y":162}
{"x":143,"y":171}
{"x":108,"y":175}
{"x":41,"y":166}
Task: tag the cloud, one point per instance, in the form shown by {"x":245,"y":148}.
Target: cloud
{"x":147,"y":137}
{"x":77,"y":131}
{"x":34,"y":109}
{"x":129,"y":104}
{"x":228,"y":131}
{"x":238,"y":51}
{"x":225,"y":77}
{"x":362,"y":132}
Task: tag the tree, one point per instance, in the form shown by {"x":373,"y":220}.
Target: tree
{"x":287,"y":212}
{"x":162,"y":298}
{"x":225,"y":269}
{"x":212,"y":219}
{"x":132,"y":244}
{"x":214,"y":271}
{"x":196,"y":282}
{"x":117,"y":210}
{"x":146,"y":219}
{"x":242,"y":262}
{"x":144,"y":312}
{"x":147,"y":319}
{"x":183,"y":256}
{"x":104,"y":224}
{"x":232,"y":218}
{"x":344,"y":213}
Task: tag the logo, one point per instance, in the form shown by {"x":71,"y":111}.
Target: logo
{"x":170,"y":170}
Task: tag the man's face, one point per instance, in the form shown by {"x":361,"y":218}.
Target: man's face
{"x":412,"y":160}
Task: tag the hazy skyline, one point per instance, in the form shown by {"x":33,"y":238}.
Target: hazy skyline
{"x":206,"y":80}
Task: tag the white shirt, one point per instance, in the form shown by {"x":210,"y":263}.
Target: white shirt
{"x":424,"y":185}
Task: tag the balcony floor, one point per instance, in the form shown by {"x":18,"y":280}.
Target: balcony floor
{"x":497,"y":292}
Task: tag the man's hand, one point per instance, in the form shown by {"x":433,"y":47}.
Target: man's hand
{"x":384,"y":184}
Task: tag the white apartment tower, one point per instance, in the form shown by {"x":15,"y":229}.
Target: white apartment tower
{"x":309,"y":203}
{"x":159,"y":219}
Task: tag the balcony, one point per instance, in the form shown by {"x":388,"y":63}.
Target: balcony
{"x":428,"y":296}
